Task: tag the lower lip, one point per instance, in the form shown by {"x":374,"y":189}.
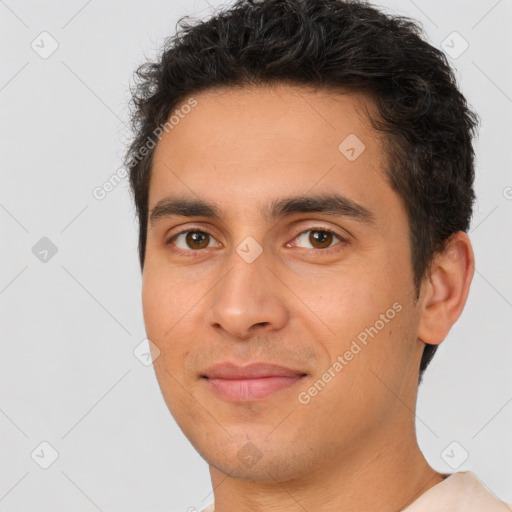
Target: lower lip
{"x":245,"y":390}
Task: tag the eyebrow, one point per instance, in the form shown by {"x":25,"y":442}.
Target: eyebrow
{"x":332,"y":204}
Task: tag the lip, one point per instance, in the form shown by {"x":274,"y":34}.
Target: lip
{"x":255,"y":381}
{"x":229,"y":370}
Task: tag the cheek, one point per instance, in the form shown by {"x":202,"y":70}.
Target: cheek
{"x":361,"y":303}
{"x":162,"y":329}
{"x":152,"y":308}
{"x":162,"y":306}
{"x":162,"y":311}
{"x":345,"y":300}
{"x":171,"y":318}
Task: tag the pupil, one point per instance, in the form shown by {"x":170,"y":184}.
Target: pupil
{"x":321,"y":237}
{"x":194,"y":239}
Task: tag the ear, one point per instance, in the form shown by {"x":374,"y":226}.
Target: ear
{"x":444,"y":292}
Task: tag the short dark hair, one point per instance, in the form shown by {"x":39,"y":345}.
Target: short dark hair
{"x":332,"y":44}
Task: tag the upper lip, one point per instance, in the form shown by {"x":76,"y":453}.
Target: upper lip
{"x":251,"y":371}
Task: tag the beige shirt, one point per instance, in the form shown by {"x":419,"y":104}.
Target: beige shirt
{"x":460,"y":492}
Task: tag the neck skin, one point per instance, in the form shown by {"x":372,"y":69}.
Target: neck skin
{"x":386,"y":472}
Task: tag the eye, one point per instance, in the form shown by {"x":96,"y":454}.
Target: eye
{"x":191,"y":240}
{"x":319,"y":238}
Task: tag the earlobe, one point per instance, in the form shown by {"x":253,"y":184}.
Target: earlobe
{"x":444,"y":292}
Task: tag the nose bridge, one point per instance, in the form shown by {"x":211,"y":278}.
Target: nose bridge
{"x":247,"y":295}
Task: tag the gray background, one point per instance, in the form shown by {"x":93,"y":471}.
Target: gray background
{"x":71,"y":320}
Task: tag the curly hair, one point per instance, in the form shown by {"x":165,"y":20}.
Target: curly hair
{"x":335,"y":44}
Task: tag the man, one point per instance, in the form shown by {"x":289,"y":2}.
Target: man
{"x":303,"y":175}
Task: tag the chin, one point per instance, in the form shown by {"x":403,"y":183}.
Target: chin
{"x":249,"y":460}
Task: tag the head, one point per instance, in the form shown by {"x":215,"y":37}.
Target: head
{"x":270,"y":122}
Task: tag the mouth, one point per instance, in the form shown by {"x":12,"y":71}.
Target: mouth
{"x":256,"y":381}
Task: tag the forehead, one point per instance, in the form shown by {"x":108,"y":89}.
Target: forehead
{"x":264,"y":141}
{"x":307,"y":120}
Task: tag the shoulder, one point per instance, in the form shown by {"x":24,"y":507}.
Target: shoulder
{"x":460,"y":492}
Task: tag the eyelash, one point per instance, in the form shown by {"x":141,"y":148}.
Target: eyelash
{"x":194,"y":252}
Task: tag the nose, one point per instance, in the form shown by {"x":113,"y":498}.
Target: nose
{"x":249,"y":300}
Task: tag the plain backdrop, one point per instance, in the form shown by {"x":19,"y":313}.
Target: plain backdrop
{"x":70,"y":283}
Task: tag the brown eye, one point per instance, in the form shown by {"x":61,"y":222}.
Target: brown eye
{"x":190,"y":241}
{"x":197,"y":239}
{"x":320,"y":239}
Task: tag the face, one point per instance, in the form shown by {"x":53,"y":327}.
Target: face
{"x":276,"y":239}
